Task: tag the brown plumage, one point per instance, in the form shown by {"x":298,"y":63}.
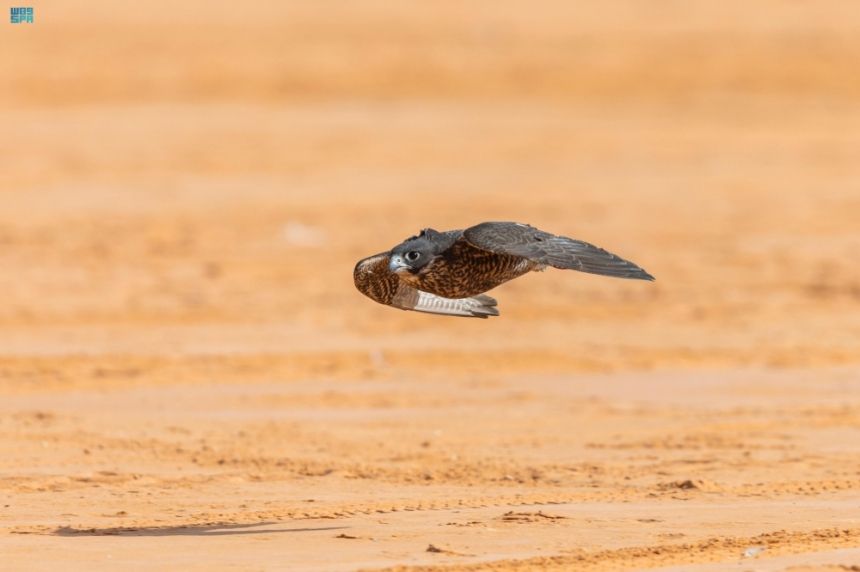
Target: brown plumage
{"x":447,"y":272}
{"x":374,"y":279}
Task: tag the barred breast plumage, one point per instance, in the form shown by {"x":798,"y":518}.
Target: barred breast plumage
{"x":464,"y":270}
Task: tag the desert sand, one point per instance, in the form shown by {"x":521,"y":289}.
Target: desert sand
{"x":189,"y":380}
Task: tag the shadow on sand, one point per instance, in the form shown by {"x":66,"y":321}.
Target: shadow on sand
{"x":189,"y":530}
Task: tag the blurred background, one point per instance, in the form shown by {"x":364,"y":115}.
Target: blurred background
{"x":185,"y":188}
{"x":199,"y":180}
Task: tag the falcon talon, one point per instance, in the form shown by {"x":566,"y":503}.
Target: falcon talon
{"x":448,"y":272}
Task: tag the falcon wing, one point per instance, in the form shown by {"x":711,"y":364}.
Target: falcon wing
{"x":373,"y":279}
{"x":544,"y":248}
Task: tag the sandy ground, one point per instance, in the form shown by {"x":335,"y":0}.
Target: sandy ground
{"x":188,"y":379}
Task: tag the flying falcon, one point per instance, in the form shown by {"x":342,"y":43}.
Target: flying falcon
{"x":448,"y":272}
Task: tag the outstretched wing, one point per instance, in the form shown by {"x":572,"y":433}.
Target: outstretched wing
{"x":373,"y":279}
{"x":544,"y":248}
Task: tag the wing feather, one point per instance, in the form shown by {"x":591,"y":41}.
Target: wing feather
{"x":519,"y":239}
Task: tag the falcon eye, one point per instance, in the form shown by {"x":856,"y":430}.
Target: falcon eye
{"x":412,"y":256}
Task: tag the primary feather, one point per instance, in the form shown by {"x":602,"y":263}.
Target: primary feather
{"x":557,"y":251}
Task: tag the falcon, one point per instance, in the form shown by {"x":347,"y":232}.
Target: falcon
{"x":448,"y":272}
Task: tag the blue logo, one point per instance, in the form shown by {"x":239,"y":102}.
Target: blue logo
{"x":21,"y":15}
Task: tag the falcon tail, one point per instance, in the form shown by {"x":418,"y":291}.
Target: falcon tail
{"x":481,"y":306}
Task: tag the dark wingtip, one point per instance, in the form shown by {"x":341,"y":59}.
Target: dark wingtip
{"x":639,"y":275}
{"x":629,"y":272}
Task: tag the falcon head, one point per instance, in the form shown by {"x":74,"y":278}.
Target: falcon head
{"x":415,"y":253}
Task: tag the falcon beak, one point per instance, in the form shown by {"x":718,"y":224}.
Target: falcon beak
{"x":396,"y":264}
